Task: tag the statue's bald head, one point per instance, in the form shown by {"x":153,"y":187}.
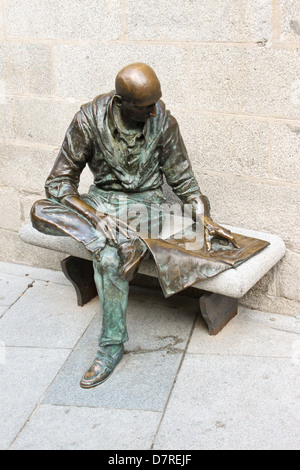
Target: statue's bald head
{"x":138,"y":83}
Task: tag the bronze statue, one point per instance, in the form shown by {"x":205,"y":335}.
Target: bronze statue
{"x":130,"y":142}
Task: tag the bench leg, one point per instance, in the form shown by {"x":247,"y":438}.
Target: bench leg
{"x":81,"y":274}
{"x":217,"y":310}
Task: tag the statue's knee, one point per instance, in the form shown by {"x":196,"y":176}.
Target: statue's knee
{"x":36,"y":210}
{"x":41,"y":217}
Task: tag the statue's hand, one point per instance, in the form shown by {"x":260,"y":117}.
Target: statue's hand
{"x":110,"y":227}
{"x":201,"y":213}
{"x":212,"y":229}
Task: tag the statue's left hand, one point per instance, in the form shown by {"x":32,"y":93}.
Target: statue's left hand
{"x":212,"y":229}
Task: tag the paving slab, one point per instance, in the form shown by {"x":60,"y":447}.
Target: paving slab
{"x":30,"y":272}
{"x":25,"y":374}
{"x":270,"y":320}
{"x":3,"y":309}
{"x":47,"y":315}
{"x":145,"y":376}
{"x":250,"y":333}
{"x":11,"y":288}
{"x":141,"y":382}
{"x":233,"y":403}
{"x":76,"y":428}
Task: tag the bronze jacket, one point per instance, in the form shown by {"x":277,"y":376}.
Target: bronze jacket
{"x":93,"y":139}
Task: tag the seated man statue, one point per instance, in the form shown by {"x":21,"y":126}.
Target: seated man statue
{"x":130,"y":143}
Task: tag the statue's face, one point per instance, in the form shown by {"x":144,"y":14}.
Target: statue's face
{"x":138,"y":113}
{"x":139,"y":108}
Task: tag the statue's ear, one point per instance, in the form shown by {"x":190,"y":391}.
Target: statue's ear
{"x":118,"y":100}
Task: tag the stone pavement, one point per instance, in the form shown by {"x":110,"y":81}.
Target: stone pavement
{"x":177,"y":388}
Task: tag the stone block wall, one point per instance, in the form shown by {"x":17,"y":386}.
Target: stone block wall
{"x":230,"y":73}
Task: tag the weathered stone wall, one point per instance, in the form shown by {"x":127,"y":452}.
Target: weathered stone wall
{"x":230,"y":73}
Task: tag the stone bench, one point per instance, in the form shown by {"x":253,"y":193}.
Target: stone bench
{"x":219,"y":299}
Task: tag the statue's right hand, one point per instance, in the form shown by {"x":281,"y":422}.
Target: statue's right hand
{"x":110,"y":227}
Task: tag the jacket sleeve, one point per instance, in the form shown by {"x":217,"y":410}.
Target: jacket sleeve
{"x":72,"y":158}
{"x":175,"y":163}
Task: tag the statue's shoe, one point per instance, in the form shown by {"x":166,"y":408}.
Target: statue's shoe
{"x":132,"y":254}
{"x":102,"y":367}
